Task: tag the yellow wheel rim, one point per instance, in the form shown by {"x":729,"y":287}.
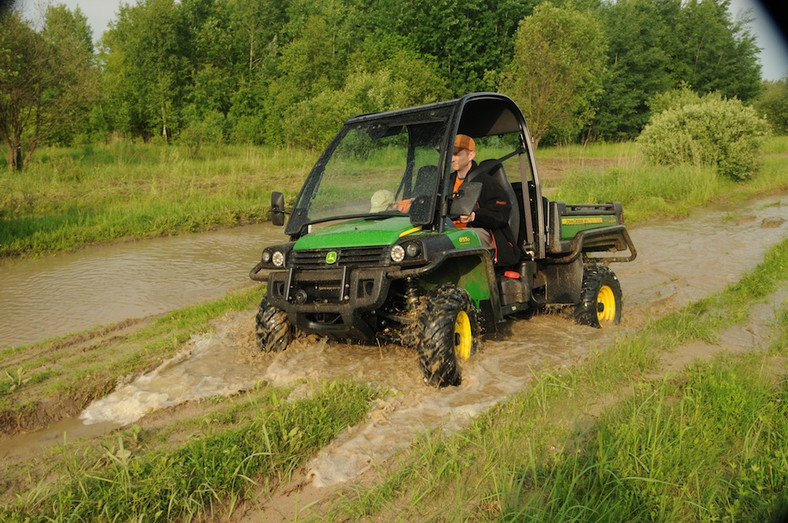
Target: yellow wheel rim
{"x":463,"y":338}
{"x":606,"y":305}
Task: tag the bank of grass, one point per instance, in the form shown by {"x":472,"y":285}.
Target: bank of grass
{"x":603,"y":441}
{"x":244,"y":448}
{"x":650,"y":191}
{"x":64,"y":375}
{"x":66,"y":199}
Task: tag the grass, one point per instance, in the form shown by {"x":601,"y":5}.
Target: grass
{"x":710,"y":443}
{"x":649,"y":192}
{"x":245,"y":448}
{"x":601,"y":440}
{"x":69,"y":198}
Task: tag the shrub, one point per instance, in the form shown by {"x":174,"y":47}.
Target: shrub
{"x":773,"y":104}
{"x":724,"y":134}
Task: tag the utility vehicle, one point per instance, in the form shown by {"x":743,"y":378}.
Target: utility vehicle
{"x":354,"y":269}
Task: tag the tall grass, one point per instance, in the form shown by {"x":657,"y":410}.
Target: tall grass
{"x":646,"y":191}
{"x":618,"y":150}
{"x":69,"y":198}
{"x":710,"y":446}
{"x":649,"y":191}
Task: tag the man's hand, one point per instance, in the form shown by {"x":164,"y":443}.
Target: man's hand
{"x":467,"y":218}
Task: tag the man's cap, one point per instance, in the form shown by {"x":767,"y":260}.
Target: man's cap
{"x":463,"y":141}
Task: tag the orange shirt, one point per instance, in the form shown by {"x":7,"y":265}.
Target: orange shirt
{"x":457,"y":183}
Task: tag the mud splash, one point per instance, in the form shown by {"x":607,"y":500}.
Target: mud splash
{"x":208,"y":366}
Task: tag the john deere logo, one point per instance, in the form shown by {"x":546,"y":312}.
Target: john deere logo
{"x":331,"y":257}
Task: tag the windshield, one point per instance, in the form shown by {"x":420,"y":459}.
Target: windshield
{"x":373,"y":168}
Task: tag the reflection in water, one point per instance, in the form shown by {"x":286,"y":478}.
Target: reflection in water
{"x":54,"y":296}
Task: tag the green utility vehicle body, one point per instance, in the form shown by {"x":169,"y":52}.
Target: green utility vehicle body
{"x":373,"y":252}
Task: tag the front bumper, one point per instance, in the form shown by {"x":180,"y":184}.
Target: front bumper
{"x":330,"y":301}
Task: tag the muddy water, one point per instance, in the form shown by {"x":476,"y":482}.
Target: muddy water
{"x":54,"y":296}
{"x":677,"y":263}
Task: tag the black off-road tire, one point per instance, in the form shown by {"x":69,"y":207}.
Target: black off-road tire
{"x":600,"y":298}
{"x":273,"y":330}
{"x":449,"y":333}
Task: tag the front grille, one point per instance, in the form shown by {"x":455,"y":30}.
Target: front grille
{"x":347,"y":256}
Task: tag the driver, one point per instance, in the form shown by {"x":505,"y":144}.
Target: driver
{"x":490,"y":218}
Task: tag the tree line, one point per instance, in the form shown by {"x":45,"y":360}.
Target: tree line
{"x":289,"y":72}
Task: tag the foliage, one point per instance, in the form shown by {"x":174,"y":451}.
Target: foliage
{"x":147,"y":72}
{"x":658,"y":45}
{"x":721,"y":133}
{"x":46,"y":81}
{"x":246,"y":70}
{"x":773,"y":104}
{"x":557,"y":69}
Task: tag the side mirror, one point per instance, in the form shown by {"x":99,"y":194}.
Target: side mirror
{"x":277,"y":208}
{"x":464,"y":200}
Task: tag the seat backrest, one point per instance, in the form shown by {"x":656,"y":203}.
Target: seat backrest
{"x":494,"y":169}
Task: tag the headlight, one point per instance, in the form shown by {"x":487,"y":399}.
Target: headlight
{"x":278,"y":258}
{"x":413,"y":249}
{"x":266,"y":258}
{"x":397,"y":253}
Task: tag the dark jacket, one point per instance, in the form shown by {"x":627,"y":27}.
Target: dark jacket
{"x":492,"y":213}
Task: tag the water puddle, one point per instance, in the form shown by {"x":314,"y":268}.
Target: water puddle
{"x":677,"y":263}
{"x":53,"y":296}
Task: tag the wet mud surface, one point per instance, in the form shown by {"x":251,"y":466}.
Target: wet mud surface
{"x":678,"y":262}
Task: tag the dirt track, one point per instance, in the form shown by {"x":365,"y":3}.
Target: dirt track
{"x":678,"y":262}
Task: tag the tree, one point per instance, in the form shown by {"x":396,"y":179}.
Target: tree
{"x":638,"y":65}
{"x":467,"y":38}
{"x":717,"y":54}
{"x":74,"y":62}
{"x":148,"y":59}
{"x":773,"y":104}
{"x":46,"y":80}
{"x":556,"y":70}
{"x":657,"y":45}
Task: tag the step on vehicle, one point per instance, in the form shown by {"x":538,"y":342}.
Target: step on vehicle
{"x":373,"y":253}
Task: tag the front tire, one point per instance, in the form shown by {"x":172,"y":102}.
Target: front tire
{"x":273,"y":329}
{"x":449,"y":334}
{"x":600,"y":298}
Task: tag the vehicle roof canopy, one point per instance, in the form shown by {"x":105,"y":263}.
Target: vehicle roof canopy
{"x":479,"y":114}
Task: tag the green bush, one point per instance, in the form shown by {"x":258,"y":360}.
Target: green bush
{"x":724,"y":134}
{"x":773,"y":104}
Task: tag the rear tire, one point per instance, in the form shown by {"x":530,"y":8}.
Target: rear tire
{"x":273,"y":329}
{"x":600,"y":298}
{"x":449,"y":334}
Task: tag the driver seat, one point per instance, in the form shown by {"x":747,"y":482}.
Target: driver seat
{"x":494,"y":169}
